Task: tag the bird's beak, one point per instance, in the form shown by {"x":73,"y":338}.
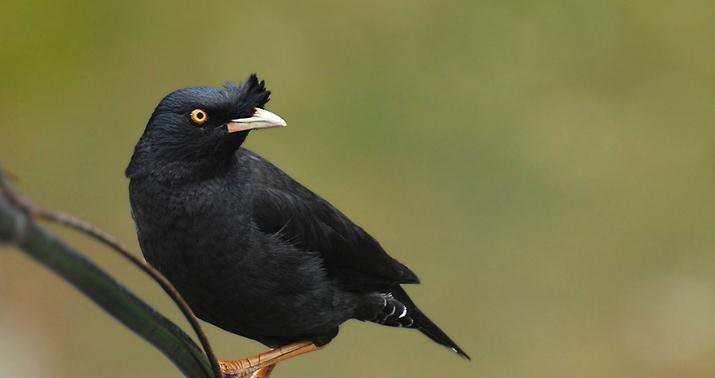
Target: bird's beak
{"x":261,"y":119}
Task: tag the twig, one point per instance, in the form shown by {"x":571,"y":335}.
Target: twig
{"x":19,"y":229}
{"x":35,"y":211}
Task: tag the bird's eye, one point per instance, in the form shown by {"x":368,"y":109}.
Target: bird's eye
{"x":199,"y":117}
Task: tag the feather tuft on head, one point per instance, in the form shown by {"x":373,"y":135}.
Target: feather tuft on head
{"x":252,"y":93}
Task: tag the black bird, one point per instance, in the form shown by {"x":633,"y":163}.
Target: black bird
{"x":253,"y":251}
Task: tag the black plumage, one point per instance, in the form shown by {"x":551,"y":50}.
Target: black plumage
{"x":252,"y":250}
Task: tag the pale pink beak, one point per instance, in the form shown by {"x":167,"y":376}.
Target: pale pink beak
{"x":261,"y":119}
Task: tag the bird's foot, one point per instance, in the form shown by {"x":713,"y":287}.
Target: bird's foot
{"x":262,"y":364}
{"x":263,"y":372}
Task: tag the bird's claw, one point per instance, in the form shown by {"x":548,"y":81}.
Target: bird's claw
{"x":260,"y":366}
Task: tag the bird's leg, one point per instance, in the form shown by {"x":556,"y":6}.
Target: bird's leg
{"x":247,"y":366}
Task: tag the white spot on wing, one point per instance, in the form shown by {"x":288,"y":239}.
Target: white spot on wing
{"x":388,"y":315}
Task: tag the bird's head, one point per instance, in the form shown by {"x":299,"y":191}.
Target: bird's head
{"x":197,"y":130}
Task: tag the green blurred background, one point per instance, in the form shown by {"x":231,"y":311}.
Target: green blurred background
{"x":546,"y":167}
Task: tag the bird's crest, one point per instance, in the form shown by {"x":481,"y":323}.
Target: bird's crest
{"x":252,"y":93}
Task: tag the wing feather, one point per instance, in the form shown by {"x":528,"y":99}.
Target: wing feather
{"x":307,"y":221}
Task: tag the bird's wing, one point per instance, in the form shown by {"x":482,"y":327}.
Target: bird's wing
{"x":308,"y":222}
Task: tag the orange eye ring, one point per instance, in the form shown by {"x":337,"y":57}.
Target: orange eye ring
{"x":199,"y":117}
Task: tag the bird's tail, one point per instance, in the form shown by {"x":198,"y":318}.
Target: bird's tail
{"x":398,"y":310}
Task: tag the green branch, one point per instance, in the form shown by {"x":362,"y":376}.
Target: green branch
{"x":19,"y":229}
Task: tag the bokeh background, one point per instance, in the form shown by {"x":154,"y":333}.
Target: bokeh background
{"x":546,"y":167}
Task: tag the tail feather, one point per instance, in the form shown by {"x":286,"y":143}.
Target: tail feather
{"x":398,"y":310}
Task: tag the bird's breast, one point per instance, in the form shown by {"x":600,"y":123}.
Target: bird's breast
{"x":188,"y":230}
